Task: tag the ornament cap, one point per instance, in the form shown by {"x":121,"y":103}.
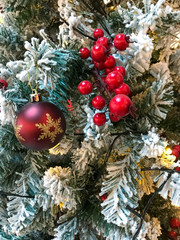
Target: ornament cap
{"x":35,"y":97}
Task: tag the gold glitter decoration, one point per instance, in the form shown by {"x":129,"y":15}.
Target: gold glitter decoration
{"x":17,"y":132}
{"x":61,"y":206}
{"x":146,"y":184}
{"x":46,"y":128}
{"x":62,"y":173}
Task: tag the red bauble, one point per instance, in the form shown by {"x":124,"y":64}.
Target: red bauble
{"x":104,"y":197}
{"x":121,"y":42}
{"x":177,"y":169}
{"x":3,"y":84}
{"x":108,"y":70}
{"x":173,"y":235}
{"x":85,"y":87}
{"x":114,"y":80}
{"x":174,"y":223}
{"x":98,"y":102}
{"x":84,"y":53}
{"x":98,"y":33}
{"x":114,"y":118}
{"x":177,"y":147}
{"x":99,"y":119}
{"x":103,"y":41}
{"x":120,"y":69}
{"x":123,"y":89}
{"x":120,"y":105}
{"x":98,"y":53}
{"x":110,"y":62}
{"x":175,"y":153}
{"x":40,"y":125}
{"x":99,"y":65}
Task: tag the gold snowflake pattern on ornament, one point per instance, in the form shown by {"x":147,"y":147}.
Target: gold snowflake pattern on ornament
{"x":17,"y":129}
{"x":50,"y":129}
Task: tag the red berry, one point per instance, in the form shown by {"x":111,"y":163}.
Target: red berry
{"x":108,"y":70}
{"x":174,"y":223}
{"x":123,"y":89}
{"x":99,"y":119}
{"x":84,"y":53}
{"x":3,"y":84}
{"x":120,"y":69}
{"x":114,"y":118}
{"x":99,"y":65}
{"x":120,"y":105}
{"x":109,"y":89}
{"x":85,"y":87}
{"x":177,"y":169}
{"x":110,"y":62}
{"x":173,"y":235}
{"x":98,"y":102}
{"x":103,"y":41}
{"x":175,"y":153}
{"x":177,"y":147}
{"x":114,"y":80}
{"x":104,"y":197}
{"x":98,"y":33}
{"x":98,"y":53}
{"x":120,"y":42}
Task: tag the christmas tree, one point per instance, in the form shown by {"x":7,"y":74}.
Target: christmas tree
{"x":89,"y":120}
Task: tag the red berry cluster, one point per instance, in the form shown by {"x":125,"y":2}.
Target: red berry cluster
{"x":110,"y":78}
{"x":176,"y":151}
{"x":174,"y":224}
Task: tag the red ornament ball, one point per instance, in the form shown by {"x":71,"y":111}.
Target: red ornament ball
{"x":177,"y":169}
{"x":85,"y":87}
{"x":173,"y":235}
{"x":123,"y":89}
{"x":84,"y":53}
{"x":98,"y":102}
{"x":114,"y":118}
{"x":120,"y":69}
{"x":121,"y":42}
{"x":3,"y":84}
{"x":104,"y":197}
{"x":177,"y":147}
{"x":175,"y":153}
{"x":108,"y":70}
{"x":98,"y":33}
{"x":99,"y":119}
{"x":114,"y":80}
{"x":174,"y":223}
{"x":99,"y":65}
{"x":120,"y":105}
{"x":40,"y":125}
{"x":103,"y":41}
{"x":110,"y":62}
{"x":98,"y":53}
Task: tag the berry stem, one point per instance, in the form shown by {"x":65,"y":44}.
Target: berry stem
{"x":99,"y":19}
{"x":64,"y":21}
{"x":99,"y":80}
{"x":106,"y":107}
